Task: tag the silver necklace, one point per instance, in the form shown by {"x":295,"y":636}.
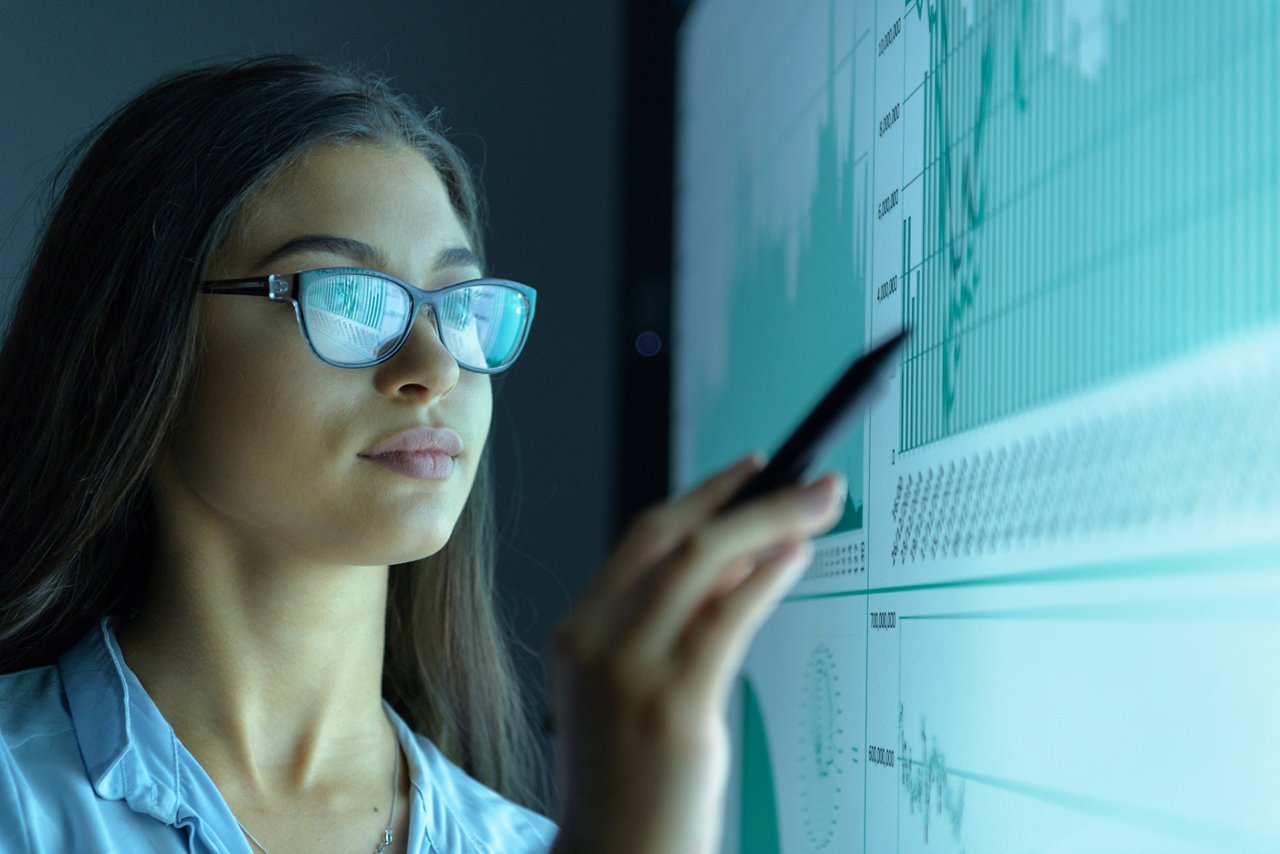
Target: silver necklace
{"x":386,"y":834}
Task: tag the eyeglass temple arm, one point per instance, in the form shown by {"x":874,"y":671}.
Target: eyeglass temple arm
{"x":268,"y":286}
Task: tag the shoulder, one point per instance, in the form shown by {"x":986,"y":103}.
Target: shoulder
{"x":33,"y":715}
{"x":463,"y":814}
{"x":49,"y":804}
{"x":39,"y":754}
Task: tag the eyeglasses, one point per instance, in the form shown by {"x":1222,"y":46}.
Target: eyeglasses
{"x":355,"y":318}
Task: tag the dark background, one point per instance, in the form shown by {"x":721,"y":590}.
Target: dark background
{"x":566,"y":108}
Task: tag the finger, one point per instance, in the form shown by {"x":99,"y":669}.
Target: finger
{"x":712,"y":650}
{"x":654,"y":534}
{"x":664,"y":601}
{"x":649,"y":537}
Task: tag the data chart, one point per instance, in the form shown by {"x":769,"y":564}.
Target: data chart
{"x":1049,"y":619}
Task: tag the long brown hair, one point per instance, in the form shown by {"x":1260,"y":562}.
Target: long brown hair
{"x":99,"y":357}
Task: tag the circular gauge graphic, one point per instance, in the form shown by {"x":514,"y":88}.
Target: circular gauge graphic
{"x":821,"y":757}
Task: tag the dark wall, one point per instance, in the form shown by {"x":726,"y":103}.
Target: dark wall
{"x":533,"y":94}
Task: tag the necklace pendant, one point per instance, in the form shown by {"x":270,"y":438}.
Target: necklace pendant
{"x":386,"y":840}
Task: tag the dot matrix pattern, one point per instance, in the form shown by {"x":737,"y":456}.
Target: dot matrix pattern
{"x":1192,"y":458}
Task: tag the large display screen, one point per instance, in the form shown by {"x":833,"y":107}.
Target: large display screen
{"x":1049,"y":620}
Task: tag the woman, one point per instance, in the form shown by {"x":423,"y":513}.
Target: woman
{"x":248,"y":522}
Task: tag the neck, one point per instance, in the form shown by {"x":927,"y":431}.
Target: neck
{"x":269,"y":669}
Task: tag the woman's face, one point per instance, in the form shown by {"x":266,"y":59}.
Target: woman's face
{"x":269,"y":445}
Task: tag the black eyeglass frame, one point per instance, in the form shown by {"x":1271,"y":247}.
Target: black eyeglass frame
{"x":288,"y":287}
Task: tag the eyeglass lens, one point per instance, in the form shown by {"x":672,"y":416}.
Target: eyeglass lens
{"x":355,"y":319}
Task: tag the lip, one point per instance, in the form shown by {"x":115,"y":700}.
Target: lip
{"x":417,"y":440}
{"x":419,"y":465}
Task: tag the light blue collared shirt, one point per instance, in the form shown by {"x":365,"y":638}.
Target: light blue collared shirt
{"x":88,"y":764}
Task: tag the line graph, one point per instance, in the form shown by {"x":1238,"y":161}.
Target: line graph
{"x":1039,"y":272}
{"x":1038,"y":762}
{"x":928,"y":783}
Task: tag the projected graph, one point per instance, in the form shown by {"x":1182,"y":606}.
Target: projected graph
{"x":1027,"y":758}
{"x":800,"y":772}
{"x":1048,"y":622}
{"x":782,"y":310}
{"x":823,"y":760}
{"x":926,"y":780}
{"x":1056,"y":253}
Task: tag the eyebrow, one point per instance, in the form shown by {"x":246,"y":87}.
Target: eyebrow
{"x":366,"y":254}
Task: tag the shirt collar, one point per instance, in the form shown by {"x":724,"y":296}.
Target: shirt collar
{"x":131,"y":752}
{"x":129,"y":749}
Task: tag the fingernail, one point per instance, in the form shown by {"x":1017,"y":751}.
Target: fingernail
{"x":818,"y":495}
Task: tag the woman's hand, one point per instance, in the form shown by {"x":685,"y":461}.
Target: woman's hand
{"x":645,"y":661}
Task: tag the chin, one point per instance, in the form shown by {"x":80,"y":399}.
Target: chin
{"x":420,"y":550}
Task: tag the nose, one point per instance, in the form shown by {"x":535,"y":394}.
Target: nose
{"x":423,"y":359}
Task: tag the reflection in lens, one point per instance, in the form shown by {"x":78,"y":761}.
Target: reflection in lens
{"x":461,"y":328}
{"x":489,"y":332}
{"x":353,"y":319}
